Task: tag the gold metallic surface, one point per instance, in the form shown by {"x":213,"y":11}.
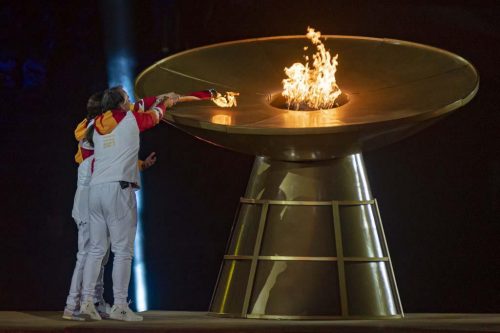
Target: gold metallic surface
{"x":253,"y":268}
{"x":300,"y":268}
{"x":340,"y":260}
{"x":306,"y":203}
{"x":395,"y":88}
{"x":393,"y":277}
{"x":285,"y":317}
{"x":308,"y":241}
{"x":290,"y":258}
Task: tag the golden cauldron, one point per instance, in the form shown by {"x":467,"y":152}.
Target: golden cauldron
{"x":308,"y":242}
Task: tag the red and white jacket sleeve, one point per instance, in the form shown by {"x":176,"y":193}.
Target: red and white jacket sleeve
{"x":144,"y":104}
{"x":203,"y":94}
{"x":149,"y":118}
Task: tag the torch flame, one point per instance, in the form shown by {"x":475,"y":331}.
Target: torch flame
{"x":313,"y":87}
{"x":225,"y":101}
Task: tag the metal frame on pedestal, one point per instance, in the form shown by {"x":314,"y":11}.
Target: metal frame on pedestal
{"x":339,"y":259}
{"x":343,"y":177}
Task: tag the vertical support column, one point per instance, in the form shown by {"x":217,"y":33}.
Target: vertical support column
{"x":393,"y":277}
{"x":344,"y":307}
{"x":256,"y":251}
{"x":228,"y":243}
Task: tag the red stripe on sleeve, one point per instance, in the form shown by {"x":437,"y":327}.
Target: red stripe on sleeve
{"x":162,"y":107}
{"x":86,"y":153}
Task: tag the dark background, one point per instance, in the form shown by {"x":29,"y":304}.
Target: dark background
{"x":438,"y":190}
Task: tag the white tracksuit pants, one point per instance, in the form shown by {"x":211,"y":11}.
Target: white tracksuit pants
{"x":75,"y":290}
{"x":113,"y":211}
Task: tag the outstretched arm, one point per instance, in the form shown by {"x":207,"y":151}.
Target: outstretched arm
{"x":193,"y":96}
{"x":150,"y":118}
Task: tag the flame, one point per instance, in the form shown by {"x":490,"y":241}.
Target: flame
{"x":313,"y":87}
{"x":225,"y":101}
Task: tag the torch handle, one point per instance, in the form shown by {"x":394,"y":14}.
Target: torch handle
{"x":188,"y":99}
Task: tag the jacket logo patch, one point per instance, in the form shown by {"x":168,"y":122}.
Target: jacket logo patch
{"x":108,"y":141}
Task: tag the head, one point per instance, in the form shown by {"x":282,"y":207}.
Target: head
{"x":93,"y":110}
{"x":94,"y":105}
{"x":115,"y":98}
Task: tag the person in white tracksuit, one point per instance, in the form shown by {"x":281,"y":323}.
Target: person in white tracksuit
{"x":80,"y":214}
{"x":112,"y":202}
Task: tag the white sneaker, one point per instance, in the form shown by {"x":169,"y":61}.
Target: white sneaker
{"x":72,"y":315}
{"x":104,"y":309}
{"x":88,"y":309}
{"x":123,"y":312}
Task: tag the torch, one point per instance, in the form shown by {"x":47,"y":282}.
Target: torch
{"x":226,"y":100}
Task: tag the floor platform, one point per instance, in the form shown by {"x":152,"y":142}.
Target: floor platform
{"x":176,"y":321}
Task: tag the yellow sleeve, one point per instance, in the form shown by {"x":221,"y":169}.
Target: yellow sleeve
{"x":79,"y":156}
{"x":140,"y":164}
{"x":80,"y":130}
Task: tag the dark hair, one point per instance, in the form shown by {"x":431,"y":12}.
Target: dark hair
{"x":112,"y":98}
{"x":93,"y":110}
{"x":94,"y":105}
{"x":109,"y":99}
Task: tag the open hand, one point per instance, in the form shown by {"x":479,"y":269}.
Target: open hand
{"x":169,"y":102}
{"x":169,"y":99}
{"x":149,"y":161}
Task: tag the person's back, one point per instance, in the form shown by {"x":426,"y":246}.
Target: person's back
{"x":113,"y":208}
{"x":116,"y":153}
{"x":80,"y":213}
{"x":116,"y":136}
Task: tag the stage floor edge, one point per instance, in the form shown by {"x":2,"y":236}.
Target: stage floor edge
{"x":178,"y":321}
